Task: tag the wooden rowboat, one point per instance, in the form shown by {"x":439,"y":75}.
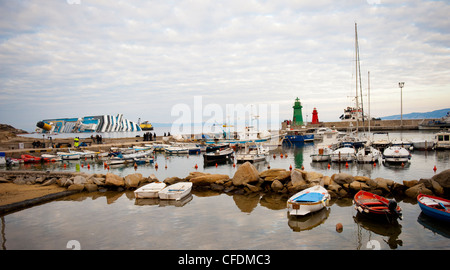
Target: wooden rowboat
{"x":376,"y":207}
{"x":149,"y":191}
{"x":307,"y":201}
{"x":434,"y":207}
{"x":176,"y":191}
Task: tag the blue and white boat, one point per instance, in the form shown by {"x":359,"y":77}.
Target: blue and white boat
{"x":298,"y":136}
{"x":434,"y":207}
{"x":308,"y":201}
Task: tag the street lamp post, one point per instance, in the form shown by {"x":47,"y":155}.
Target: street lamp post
{"x":401,"y":84}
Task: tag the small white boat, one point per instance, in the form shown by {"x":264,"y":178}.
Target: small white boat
{"x":149,"y":191}
{"x":422,"y":144}
{"x":176,"y":191}
{"x":368,"y":154}
{"x":51,"y":157}
{"x":160,"y":147}
{"x":321,"y":153}
{"x":307,"y":201}
{"x":84,"y":153}
{"x":344,"y":154}
{"x":396,"y":154}
{"x":138,"y":154}
{"x":145,"y":147}
{"x":143,"y":160}
{"x":117,"y":160}
{"x":402,"y":143}
{"x":252,"y":155}
{"x":175,"y":149}
{"x":381,"y":143}
{"x":68,"y":156}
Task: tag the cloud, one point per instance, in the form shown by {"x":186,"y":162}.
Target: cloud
{"x":140,"y":58}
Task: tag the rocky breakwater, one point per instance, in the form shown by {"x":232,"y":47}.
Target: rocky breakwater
{"x":247,"y":179}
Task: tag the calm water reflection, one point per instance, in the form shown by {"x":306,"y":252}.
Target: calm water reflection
{"x":209,"y":220}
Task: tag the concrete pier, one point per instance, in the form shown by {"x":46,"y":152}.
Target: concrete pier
{"x":375,"y":125}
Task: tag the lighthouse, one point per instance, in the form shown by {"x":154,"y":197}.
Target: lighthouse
{"x":315,"y":117}
{"x":297,"y":119}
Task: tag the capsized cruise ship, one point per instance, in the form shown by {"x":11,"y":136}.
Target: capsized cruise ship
{"x":101,"y":123}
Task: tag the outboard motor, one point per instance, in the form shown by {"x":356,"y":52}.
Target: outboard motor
{"x":393,"y":208}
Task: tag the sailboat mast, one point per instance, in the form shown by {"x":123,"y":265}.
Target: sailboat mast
{"x":356,"y":78}
{"x":356,"y":67}
{"x":368,"y":92}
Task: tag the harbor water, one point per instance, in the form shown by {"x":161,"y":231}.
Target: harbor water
{"x":212,"y":220}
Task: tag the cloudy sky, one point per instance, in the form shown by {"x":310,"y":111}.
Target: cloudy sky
{"x":73,"y":58}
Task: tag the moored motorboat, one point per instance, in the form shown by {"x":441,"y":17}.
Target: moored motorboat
{"x":434,"y":207}
{"x":422,"y":144}
{"x":218,"y":156}
{"x":344,"y":154}
{"x":51,"y":158}
{"x":376,"y":207}
{"x":174,"y":149}
{"x":255,"y":154}
{"x":68,"y":156}
{"x":307,"y":201}
{"x":368,"y":154}
{"x":321,"y":153}
{"x":149,"y":191}
{"x":396,"y":154}
{"x":176,"y":191}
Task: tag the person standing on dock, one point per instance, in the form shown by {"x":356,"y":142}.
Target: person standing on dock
{"x":76,"y":142}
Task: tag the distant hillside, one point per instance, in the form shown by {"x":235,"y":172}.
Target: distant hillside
{"x":417,"y":115}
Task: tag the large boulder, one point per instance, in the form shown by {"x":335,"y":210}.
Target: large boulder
{"x":208,"y":179}
{"x":246,"y":173}
{"x":275,"y":174}
{"x":342,"y":178}
{"x":173,"y":180}
{"x":410,"y":183}
{"x":195,"y":174}
{"x":276,"y":185}
{"x":356,"y":185}
{"x":443,"y":178}
{"x":381,"y":183}
{"x":114,"y":180}
{"x":297,"y":178}
{"x":313,"y":177}
{"x":133,"y":180}
{"x":414,"y":191}
{"x":438,"y":189}
{"x":76,"y":187}
{"x":79,"y":180}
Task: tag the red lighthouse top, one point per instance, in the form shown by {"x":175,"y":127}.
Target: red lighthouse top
{"x":315,"y":117}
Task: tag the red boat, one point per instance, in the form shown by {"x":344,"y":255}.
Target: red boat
{"x":30,"y":159}
{"x":376,"y":207}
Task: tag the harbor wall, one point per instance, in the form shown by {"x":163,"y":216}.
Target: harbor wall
{"x":375,"y":125}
